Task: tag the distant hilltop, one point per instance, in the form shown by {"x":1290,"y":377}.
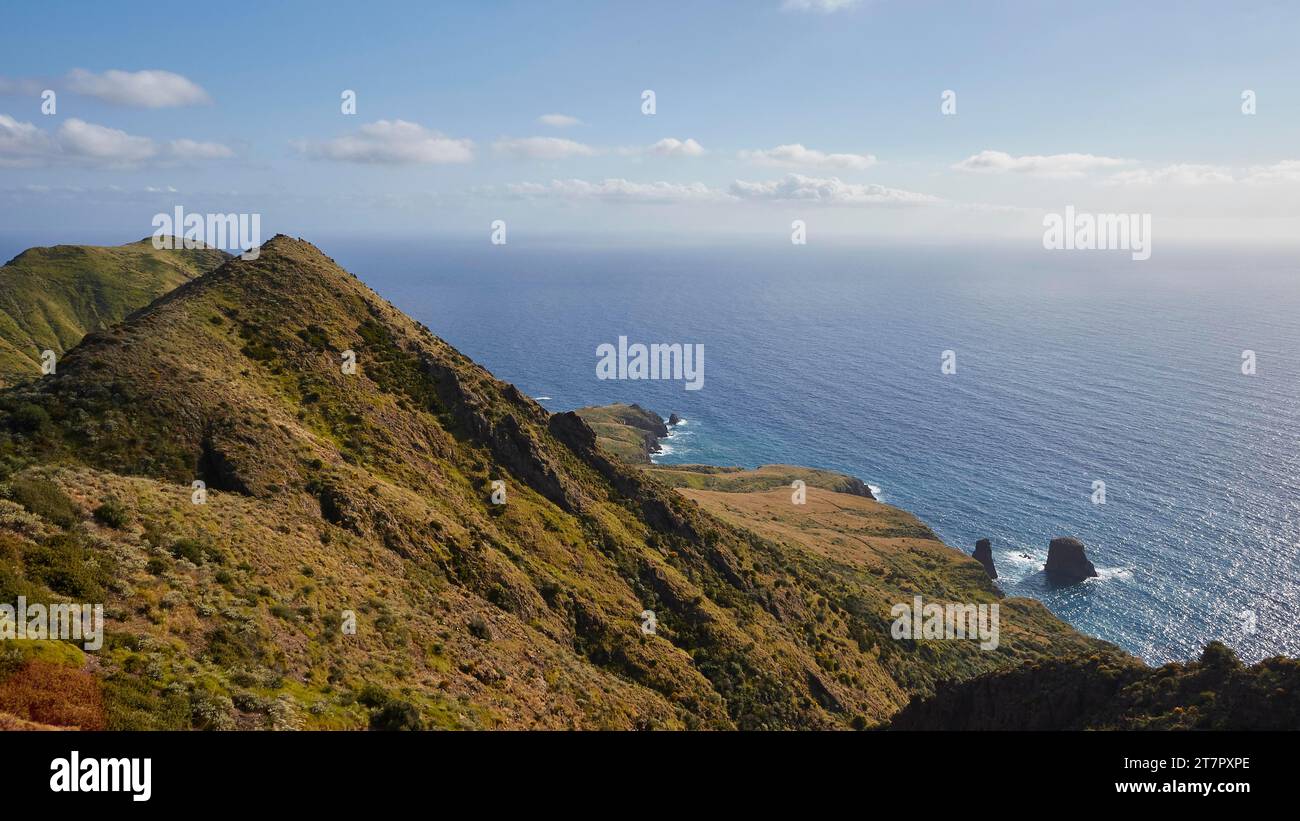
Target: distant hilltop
{"x":52,"y":297}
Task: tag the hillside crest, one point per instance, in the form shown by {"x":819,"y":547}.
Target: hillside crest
{"x":497,"y":561}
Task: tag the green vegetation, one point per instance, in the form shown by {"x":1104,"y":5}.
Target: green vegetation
{"x":349,"y":570}
{"x":112,"y":514}
{"x":627,"y":431}
{"x":64,"y":564}
{"x":765,"y":477}
{"x":378,"y":483}
{"x":1103,"y":692}
{"x":44,"y":498}
{"x":52,"y":297}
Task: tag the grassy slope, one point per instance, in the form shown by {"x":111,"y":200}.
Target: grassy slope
{"x":879,"y":556}
{"x":51,"y":297}
{"x":763,"y":477}
{"x":370,"y":493}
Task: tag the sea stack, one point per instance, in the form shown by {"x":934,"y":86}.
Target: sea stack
{"x":1066,"y":562}
{"x":984,"y":555}
{"x":674,"y":419}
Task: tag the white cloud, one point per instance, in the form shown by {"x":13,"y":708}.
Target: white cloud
{"x":1280,"y":172}
{"x":796,"y":155}
{"x":1061,"y":166}
{"x":141,"y":89}
{"x":559,"y":148}
{"x":390,"y":142}
{"x":101,"y":143}
{"x":78,"y":142}
{"x":558,"y":120}
{"x":829,"y":191}
{"x":616,"y":190}
{"x":792,"y":187}
{"x":1178,"y":174}
{"x":541,"y":148}
{"x":22,"y":143}
{"x":673,"y":147}
{"x":823,"y":6}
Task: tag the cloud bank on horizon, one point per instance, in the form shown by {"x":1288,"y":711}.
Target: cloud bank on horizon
{"x":721,"y":120}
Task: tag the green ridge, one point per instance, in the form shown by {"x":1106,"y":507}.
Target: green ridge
{"x":369,"y":495}
{"x":52,"y":297}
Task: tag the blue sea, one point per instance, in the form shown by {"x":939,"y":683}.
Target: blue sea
{"x":1071,"y":368}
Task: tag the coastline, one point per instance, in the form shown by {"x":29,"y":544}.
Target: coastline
{"x":635,"y":434}
{"x":1104,"y":686}
{"x":772,"y":592}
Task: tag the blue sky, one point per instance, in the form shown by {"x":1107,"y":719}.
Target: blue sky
{"x":829,"y":113}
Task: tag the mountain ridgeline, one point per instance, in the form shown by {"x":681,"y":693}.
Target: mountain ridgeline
{"x":368,"y":496}
{"x":52,"y":297}
{"x":282,"y":540}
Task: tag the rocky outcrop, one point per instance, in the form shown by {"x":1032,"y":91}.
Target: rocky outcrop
{"x":652,"y":445}
{"x":674,"y":419}
{"x":639,"y":417}
{"x":984,"y":555}
{"x":569,"y":428}
{"x":1067,"y":563}
{"x":855,"y":487}
{"x":630,"y":432}
{"x":650,"y":425}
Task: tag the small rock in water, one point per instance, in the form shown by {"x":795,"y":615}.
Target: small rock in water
{"x":674,"y":419}
{"x":984,"y":555}
{"x":1066,"y":562}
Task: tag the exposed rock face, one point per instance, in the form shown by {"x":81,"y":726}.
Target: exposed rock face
{"x":648,"y":421}
{"x":855,"y":486}
{"x":1066,"y":562}
{"x":628,"y":431}
{"x":984,"y":555}
{"x":569,"y":428}
{"x":674,"y":419}
{"x":652,"y":445}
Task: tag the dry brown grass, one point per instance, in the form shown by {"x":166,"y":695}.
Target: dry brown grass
{"x":849,"y":529}
{"x":53,"y":694}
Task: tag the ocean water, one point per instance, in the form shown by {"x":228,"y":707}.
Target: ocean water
{"x":1071,"y":367}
